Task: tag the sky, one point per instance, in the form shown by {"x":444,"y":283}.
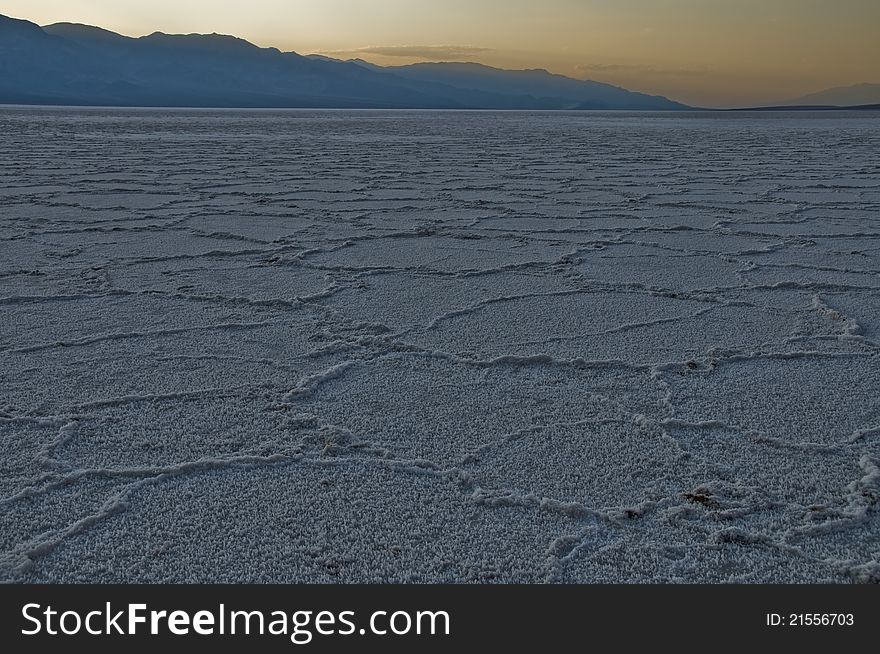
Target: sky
{"x":713,"y":53}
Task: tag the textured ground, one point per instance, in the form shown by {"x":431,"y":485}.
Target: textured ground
{"x":331,"y":346}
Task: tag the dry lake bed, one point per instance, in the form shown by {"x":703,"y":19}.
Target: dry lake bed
{"x":342,"y":346}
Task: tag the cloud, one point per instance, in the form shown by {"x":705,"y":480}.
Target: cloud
{"x":609,"y":68}
{"x":419,"y":51}
{"x":641,"y":69}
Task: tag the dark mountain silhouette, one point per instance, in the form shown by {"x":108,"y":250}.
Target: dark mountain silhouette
{"x":82,"y":65}
{"x":547,"y":88}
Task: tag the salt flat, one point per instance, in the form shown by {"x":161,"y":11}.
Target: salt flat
{"x":330,"y":346}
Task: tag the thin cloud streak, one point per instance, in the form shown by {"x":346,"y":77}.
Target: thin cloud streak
{"x":641,"y":69}
{"x":418,"y":51}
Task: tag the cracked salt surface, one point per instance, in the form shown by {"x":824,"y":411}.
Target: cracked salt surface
{"x":516,"y":347}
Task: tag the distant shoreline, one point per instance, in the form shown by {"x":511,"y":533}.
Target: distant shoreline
{"x":807,"y":107}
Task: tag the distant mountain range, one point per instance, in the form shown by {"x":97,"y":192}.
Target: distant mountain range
{"x":70,"y":64}
{"x":842,"y":96}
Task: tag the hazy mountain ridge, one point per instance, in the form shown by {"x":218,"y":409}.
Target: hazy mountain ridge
{"x":537,"y":83}
{"x":856,"y":94}
{"x":68,"y":63}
